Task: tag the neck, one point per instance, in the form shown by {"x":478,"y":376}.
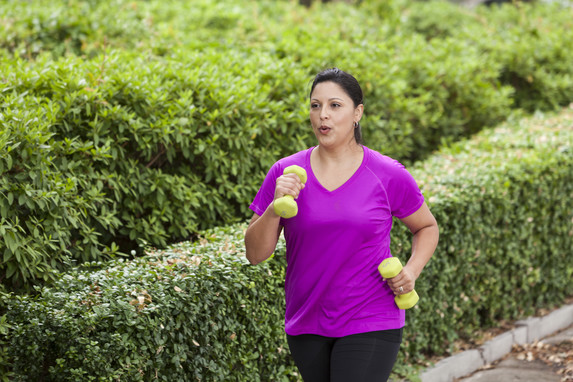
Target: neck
{"x":340,"y":154}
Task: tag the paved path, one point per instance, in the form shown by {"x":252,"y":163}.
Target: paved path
{"x":513,"y":369}
{"x":465,"y":366}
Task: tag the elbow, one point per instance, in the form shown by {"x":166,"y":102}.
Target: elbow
{"x":252,"y":259}
{"x":430,"y":227}
{"x":251,"y":254}
{"x":257,"y":250}
{"x":435,"y":228}
{"x":256,"y":256}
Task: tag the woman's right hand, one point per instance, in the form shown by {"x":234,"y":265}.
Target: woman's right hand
{"x":288,"y":184}
{"x":263,"y":232}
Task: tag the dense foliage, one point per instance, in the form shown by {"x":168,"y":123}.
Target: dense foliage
{"x":192,"y":312}
{"x":504,"y":203}
{"x":503,"y":200}
{"x":128,"y":123}
{"x":134,"y":122}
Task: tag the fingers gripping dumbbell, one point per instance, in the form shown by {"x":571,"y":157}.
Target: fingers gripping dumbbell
{"x":389,"y":268}
{"x":286,"y":207}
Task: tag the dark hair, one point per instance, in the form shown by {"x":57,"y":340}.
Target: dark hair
{"x":350,"y":86}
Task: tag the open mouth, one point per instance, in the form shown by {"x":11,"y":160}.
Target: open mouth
{"x":324,"y":129}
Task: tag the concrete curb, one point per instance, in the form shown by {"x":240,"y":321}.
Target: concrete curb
{"x":527,"y":331}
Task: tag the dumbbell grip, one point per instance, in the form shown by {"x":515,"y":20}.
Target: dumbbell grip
{"x":390,"y":267}
{"x":285,"y":206}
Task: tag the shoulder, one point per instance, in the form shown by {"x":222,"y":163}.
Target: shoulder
{"x":266,"y":192}
{"x":401,"y":188}
{"x":383,"y":165}
{"x":300,"y":159}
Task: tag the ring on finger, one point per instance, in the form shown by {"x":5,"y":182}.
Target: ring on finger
{"x":401,"y":289}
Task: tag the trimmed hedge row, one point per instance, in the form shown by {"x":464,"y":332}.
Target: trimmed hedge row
{"x":192,"y":312}
{"x":504,"y":203}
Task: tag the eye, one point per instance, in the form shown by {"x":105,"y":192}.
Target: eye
{"x":335,"y":105}
{"x":314,"y":106}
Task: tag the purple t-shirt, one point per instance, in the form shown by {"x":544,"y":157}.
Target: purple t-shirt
{"x":336,"y":242}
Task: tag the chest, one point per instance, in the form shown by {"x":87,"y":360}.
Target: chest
{"x":360,"y":204}
{"x":333,"y":179}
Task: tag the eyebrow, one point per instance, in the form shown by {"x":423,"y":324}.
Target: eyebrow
{"x":330,"y":99}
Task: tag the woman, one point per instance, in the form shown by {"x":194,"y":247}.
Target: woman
{"x":341,"y":320}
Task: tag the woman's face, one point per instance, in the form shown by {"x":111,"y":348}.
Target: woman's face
{"x":332,"y":115}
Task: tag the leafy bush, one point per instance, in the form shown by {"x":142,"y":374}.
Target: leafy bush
{"x":530,"y":43}
{"x":197,"y":311}
{"x":152,"y":125}
{"x":192,"y":312}
{"x":534,"y":46}
{"x":504,"y":203}
{"x":108,"y":154}
{"x":69,"y":27}
{"x":51,"y":204}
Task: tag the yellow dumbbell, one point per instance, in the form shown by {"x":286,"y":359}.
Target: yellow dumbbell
{"x":389,"y":268}
{"x":286,"y":207}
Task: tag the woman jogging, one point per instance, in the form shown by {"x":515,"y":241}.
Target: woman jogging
{"x":341,"y":320}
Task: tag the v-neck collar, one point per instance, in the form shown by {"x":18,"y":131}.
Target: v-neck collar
{"x":347,"y":182}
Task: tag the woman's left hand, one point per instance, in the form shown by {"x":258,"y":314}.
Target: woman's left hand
{"x":402,"y":283}
{"x":424,"y":227}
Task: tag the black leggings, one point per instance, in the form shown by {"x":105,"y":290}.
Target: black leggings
{"x":365,"y":357}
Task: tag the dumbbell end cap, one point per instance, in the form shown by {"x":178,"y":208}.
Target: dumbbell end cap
{"x":285,"y":207}
{"x":390,"y":267}
{"x":408,"y":300}
{"x":294,"y":169}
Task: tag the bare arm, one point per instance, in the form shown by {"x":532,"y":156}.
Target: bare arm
{"x":262,"y":236}
{"x":424,"y":227}
{"x":263,"y":232}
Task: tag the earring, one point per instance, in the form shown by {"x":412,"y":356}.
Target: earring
{"x":355,"y":124}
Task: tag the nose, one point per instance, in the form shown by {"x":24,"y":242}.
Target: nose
{"x":323,"y":113}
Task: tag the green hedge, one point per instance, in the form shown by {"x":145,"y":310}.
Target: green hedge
{"x":134,"y":122}
{"x":126,"y":150}
{"x":528,"y":43}
{"x":71,"y":27}
{"x":504,"y":203}
{"x":48,"y":215}
{"x":531,"y":43}
{"x":193,"y":312}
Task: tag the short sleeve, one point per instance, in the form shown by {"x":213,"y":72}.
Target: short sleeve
{"x":403,"y":192}
{"x":266,"y":193}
